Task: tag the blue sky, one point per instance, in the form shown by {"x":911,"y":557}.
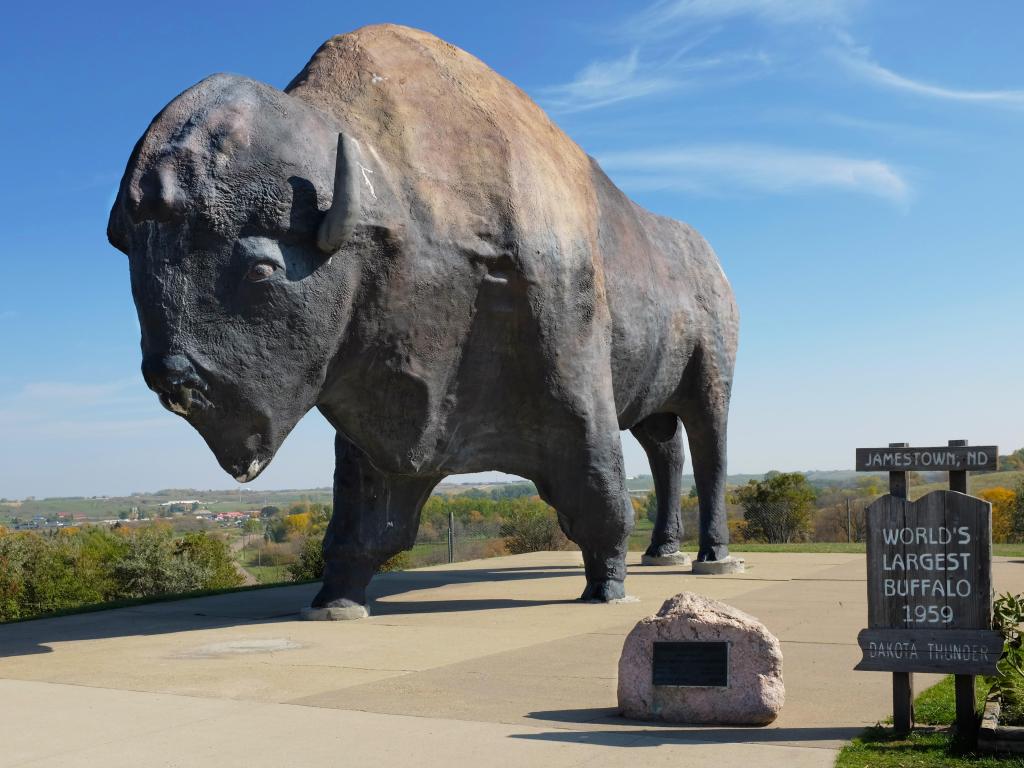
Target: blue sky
{"x":856,"y":165}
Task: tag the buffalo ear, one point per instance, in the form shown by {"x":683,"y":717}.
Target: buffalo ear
{"x":117,"y":227}
{"x":340,"y":219}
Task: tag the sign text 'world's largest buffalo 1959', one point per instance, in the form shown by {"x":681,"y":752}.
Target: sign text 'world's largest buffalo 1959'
{"x":929,"y":586}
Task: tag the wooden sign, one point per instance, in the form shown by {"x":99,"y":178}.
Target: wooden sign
{"x":929,"y":576}
{"x":691,"y":663}
{"x":966,"y":651}
{"x":942,"y":459}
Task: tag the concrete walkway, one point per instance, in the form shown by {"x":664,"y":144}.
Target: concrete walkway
{"x":488,"y":662}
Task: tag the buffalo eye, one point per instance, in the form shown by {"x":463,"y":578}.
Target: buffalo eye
{"x":260,"y":271}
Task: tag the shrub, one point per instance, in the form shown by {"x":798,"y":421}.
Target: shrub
{"x":1004,"y":502}
{"x":278,"y":553}
{"x":149,"y":566}
{"x":46,"y":572}
{"x":778,"y":508}
{"x":737,"y":531}
{"x":213,"y":557}
{"x":1007,"y":616}
{"x":310,"y":564}
{"x":397,"y":562}
{"x":532,"y":527}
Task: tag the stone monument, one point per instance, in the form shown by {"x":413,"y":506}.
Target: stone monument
{"x":700,"y":661}
{"x":404,"y":241}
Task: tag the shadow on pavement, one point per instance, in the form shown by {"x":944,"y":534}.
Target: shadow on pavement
{"x":655,"y":734}
{"x":269,"y":606}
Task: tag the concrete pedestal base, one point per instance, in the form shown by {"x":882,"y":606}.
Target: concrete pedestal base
{"x":341,"y":613}
{"x":718,"y":567}
{"x":676,"y":558}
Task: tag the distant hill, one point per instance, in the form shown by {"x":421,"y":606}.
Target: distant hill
{"x":975,"y":483}
{"x":109,"y":507}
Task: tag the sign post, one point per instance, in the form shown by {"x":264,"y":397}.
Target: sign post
{"x":929,"y":577}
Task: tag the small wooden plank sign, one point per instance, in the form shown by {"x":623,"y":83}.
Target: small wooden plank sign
{"x":948,"y":458}
{"x":929,"y":572}
{"x":965,"y":651}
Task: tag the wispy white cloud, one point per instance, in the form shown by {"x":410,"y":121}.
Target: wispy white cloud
{"x":858,"y":62}
{"x":664,"y":18}
{"x":601,"y":83}
{"x":718,"y":169}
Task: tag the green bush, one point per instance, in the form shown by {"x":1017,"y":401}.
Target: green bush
{"x":212,"y":557}
{"x":310,"y":565}
{"x":532,"y":526}
{"x":397,"y":562}
{"x":777,"y":509}
{"x":45,"y":572}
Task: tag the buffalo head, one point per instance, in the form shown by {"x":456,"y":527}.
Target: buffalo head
{"x":236,"y":212}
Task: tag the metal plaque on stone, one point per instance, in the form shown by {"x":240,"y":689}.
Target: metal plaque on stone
{"x":692,"y":664}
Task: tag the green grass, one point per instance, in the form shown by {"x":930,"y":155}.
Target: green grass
{"x":641,"y":537}
{"x":937,"y":705}
{"x":879,"y":747}
{"x":270,"y":574}
{"x":803,"y":546}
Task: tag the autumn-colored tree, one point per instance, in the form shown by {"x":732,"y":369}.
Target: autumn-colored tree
{"x":532,"y":527}
{"x":1004,"y":502}
{"x":297,"y":524}
{"x":1013,"y":462}
{"x":638,"y":508}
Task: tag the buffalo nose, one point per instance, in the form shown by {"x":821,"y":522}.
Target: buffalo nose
{"x":175,"y":380}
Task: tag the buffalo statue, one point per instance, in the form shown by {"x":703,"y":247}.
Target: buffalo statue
{"x":403,"y":240}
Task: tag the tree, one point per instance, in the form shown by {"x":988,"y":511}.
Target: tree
{"x":869,"y":486}
{"x":651,"y":506}
{"x":1013,"y":462}
{"x":778,"y":508}
{"x":1004,"y":503}
{"x":639,"y":508}
{"x":1017,"y":515}
{"x":213,"y":557}
{"x":532,"y":527}
{"x":277,"y":531}
{"x":297,"y":524}
{"x":310,"y":565}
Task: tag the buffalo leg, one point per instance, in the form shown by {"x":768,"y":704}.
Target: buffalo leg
{"x":706,"y":421}
{"x":376,"y":516}
{"x":662,"y":439}
{"x":587,"y":488}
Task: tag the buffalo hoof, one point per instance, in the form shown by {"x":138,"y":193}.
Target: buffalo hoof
{"x":672,"y":558}
{"x":336,"y":613}
{"x":608,"y":591}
